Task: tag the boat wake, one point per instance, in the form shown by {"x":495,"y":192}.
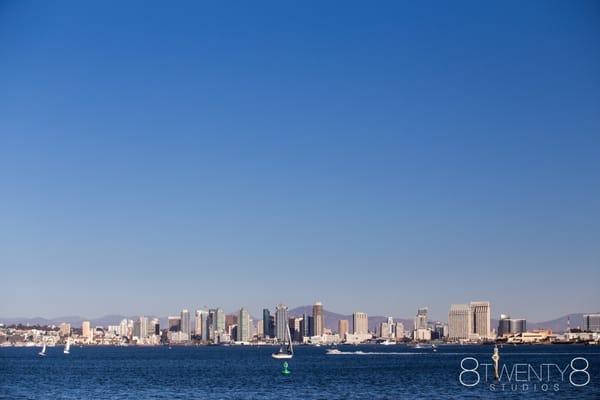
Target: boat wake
{"x":335,"y":352}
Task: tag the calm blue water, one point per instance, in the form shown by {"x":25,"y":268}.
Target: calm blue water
{"x":250,"y":373}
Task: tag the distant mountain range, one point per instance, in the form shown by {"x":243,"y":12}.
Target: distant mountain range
{"x":331,"y":320}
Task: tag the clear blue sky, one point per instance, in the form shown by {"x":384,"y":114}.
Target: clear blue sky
{"x":373,"y":156}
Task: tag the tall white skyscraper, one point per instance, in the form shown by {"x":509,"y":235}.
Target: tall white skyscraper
{"x":281,"y":321}
{"x":481,"y":324}
{"x":143,"y":327}
{"x":200,"y":324}
{"x":360,"y":323}
{"x":185,"y":323}
{"x":459,"y":321}
{"x":243,"y":327}
{"x":86,"y":331}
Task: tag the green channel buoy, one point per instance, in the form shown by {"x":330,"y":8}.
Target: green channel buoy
{"x":285,"y":370}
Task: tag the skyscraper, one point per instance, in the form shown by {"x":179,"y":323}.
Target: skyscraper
{"x":185,"y":323}
{"x":174,"y":323}
{"x":591,"y":322}
{"x":200,"y":328}
{"x":360,"y":323}
{"x":459,"y":321}
{"x":318,"y":319}
{"x":266,"y":323}
{"x":511,"y":326}
{"x":86,"y":331}
{"x":421,"y":319}
{"x":243,"y":328}
{"x":154,"y":327}
{"x":220,"y":320}
{"x":143,"y":327}
{"x":481,"y":318}
{"x":281,"y":321}
{"x":343,"y":328}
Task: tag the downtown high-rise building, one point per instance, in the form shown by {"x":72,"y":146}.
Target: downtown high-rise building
{"x":343,"y":328}
{"x":86,"y":330}
{"x":266,"y":321}
{"x":200,"y":325}
{"x":174,"y":323}
{"x":459,"y":321}
{"x":185,"y":323}
{"x":243,"y":326}
{"x":318,"y":319}
{"x":470,"y":321}
{"x":360,"y":323}
{"x":143,"y":330}
{"x":421,"y":319}
{"x":220,"y":320}
{"x":510,"y":326}
{"x":281,"y":321}
{"x":481,"y":313}
{"x":591,"y":322}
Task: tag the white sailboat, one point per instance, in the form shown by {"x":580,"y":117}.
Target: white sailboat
{"x":285,"y":352}
{"x":68,"y":346}
{"x":43,"y":352}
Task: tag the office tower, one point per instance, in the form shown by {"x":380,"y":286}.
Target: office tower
{"x":439,"y":330}
{"x":123,"y":328}
{"x":281,"y":321}
{"x":511,"y":326}
{"x":137,"y":329}
{"x":220,"y":320}
{"x":266,"y":323}
{"x":154,"y":328}
{"x":421,"y":319}
{"x":295,"y":329}
{"x":143,"y":327}
{"x":503,"y":325}
{"x":343,"y":328}
{"x":383,"y":330}
{"x":391,"y":325}
{"x":243,"y":326}
{"x":591,"y":322}
{"x":360,"y":323}
{"x":481,"y":315}
{"x":260,"y":328}
{"x":399,"y":330}
{"x":304,"y":327}
{"x":200,"y":326}
{"x":86,"y":331}
{"x":272,"y":326}
{"x":518,"y":325}
{"x":318,"y":319}
{"x":459,"y":321}
{"x":211,"y":324}
{"x":64,"y":329}
{"x":231,"y":320}
{"x":185,"y":323}
{"x":174,"y":323}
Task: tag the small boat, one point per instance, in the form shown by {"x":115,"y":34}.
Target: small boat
{"x":67,"y":346}
{"x":43,"y":352}
{"x":387,"y":342}
{"x":285,"y":352}
{"x":333,"y":352}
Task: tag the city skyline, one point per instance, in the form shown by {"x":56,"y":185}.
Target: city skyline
{"x":382,"y":158}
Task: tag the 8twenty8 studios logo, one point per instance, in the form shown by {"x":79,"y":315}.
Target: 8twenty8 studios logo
{"x":523,"y":377}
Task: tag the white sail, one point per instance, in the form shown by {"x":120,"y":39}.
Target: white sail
{"x":290,"y":346}
{"x":68,"y":346}
{"x":43,"y":352}
{"x":285,"y":353}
